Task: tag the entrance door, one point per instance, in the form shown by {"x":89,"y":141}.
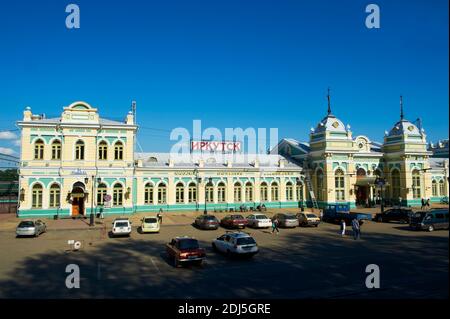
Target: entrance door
{"x":361,"y":195}
{"x":77,"y":201}
{"x":75,"y":207}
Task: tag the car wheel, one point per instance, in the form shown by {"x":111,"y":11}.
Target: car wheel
{"x":317,"y":225}
{"x":430,"y":228}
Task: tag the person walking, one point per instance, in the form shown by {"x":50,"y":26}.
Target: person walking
{"x":343,"y":228}
{"x":159,"y":216}
{"x":321,"y":214}
{"x":428,"y":203}
{"x":275,"y":226}
{"x":356,"y":229}
{"x":423,"y":204}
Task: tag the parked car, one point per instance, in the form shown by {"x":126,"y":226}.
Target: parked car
{"x":31,"y":228}
{"x":150,"y":224}
{"x":431,"y":220}
{"x":185,"y":250}
{"x":258,"y":221}
{"x":308,"y":219}
{"x":286,"y":220}
{"x":395,"y":214}
{"x":234,"y":221}
{"x":121,"y":227}
{"x":236,"y":243}
{"x":207,"y":222}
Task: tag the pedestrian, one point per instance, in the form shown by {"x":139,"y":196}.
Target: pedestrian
{"x":275,"y":226}
{"x":343,"y":227}
{"x":423,"y":204}
{"x":160,"y":216}
{"x":356,"y":229}
{"x":321,"y":214}
{"x":428,"y":203}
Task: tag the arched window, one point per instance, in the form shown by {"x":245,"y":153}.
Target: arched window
{"x":274,"y":191}
{"x":441,"y":188}
{"x":209,"y":193}
{"x":56,"y":150}
{"x":434,"y":188}
{"x":289,"y":191}
{"x":103,"y":151}
{"x":339,"y":184}
{"x":221,"y":196}
{"x":192,"y":193}
{"x":36,"y":200}
{"x":263,"y":189}
{"x":249,"y":192}
{"x":237,"y":193}
{"x":101,"y":193}
{"x":179,"y":193}
{"x":148,"y":194}
{"x":118,"y":151}
{"x":79,"y":150}
{"x":55,"y":192}
{"x":162,"y":194}
{"x":39,"y":150}
{"x":395,"y":179}
{"x":319,"y":185}
{"x":416,"y":186}
{"x":117,"y":195}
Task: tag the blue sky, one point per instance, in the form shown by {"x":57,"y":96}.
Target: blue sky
{"x":233,"y":63}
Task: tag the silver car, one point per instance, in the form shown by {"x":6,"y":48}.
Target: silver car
{"x":286,"y":220}
{"x":31,"y":228}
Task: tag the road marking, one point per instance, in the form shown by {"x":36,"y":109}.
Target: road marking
{"x":154,"y":265}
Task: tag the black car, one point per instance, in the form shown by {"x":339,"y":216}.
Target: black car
{"x":431,"y":220}
{"x":401,"y":215}
{"x":206,"y":222}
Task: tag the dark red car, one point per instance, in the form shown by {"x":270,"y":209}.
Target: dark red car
{"x":185,"y":250}
{"x":234,"y":221}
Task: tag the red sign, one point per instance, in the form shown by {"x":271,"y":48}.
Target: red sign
{"x":213,"y":146}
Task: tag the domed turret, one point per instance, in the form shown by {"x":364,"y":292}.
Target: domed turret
{"x":331,"y":123}
{"x":404,"y":127}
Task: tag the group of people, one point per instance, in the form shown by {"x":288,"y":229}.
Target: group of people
{"x":425,"y":203}
{"x":356,"y":228}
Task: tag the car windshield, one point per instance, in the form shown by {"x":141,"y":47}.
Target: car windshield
{"x":419,"y":214}
{"x":188,"y":244}
{"x":151,"y":220}
{"x":26,"y":224}
{"x":245,"y":241}
{"x":237,"y":217}
{"x":290,"y":217}
{"x":212,"y":218}
{"x":261,"y":217}
{"x":311,"y":216}
{"x":121,"y":224}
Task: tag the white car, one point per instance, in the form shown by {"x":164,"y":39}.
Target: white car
{"x":150,"y":224}
{"x":259,"y":221}
{"x":235,"y":243}
{"x":121,"y":227}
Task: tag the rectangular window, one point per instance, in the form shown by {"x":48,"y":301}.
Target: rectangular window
{"x":56,"y":152}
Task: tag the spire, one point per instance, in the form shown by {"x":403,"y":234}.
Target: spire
{"x":329,"y":103}
{"x":401,"y":108}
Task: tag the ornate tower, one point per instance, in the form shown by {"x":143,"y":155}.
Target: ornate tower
{"x":406,"y":162}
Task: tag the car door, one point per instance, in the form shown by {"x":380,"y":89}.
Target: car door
{"x":439,"y":220}
{"x":222,"y":243}
{"x":38,"y":226}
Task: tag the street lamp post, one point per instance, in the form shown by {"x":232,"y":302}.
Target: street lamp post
{"x":380,"y":182}
{"x":300,"y":195}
